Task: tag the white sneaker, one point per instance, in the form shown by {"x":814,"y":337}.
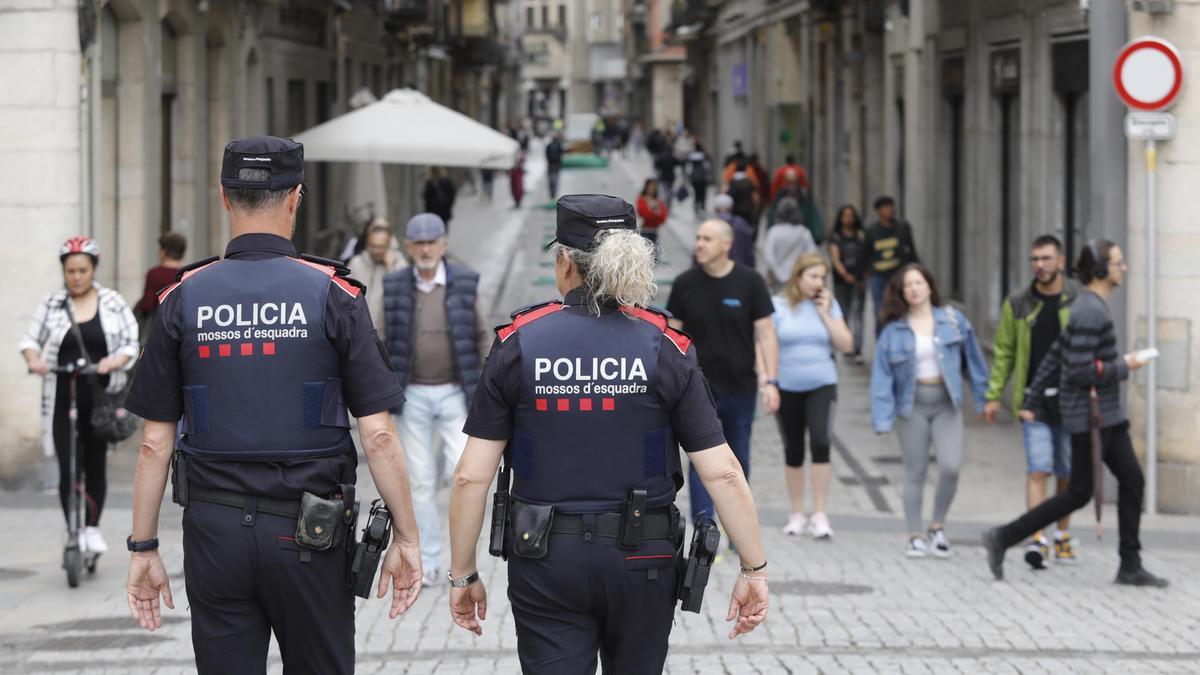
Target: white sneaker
{"x":916,"y":548}
{"x":430,"y":577}
{"x":941,"y":544}
{"x":94,"y":540}
{"x":820,"y":526}
{"x":796,"y":525}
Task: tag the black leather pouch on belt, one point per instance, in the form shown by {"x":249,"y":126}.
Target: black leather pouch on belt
{"x":531,"y":529}
{"x":319,"y":523}
{"x":179,"y":478}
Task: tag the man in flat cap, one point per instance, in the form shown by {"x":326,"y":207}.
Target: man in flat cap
{"x":588,"y":400}
{"x":438,"y":338}
{"x":264,"y":354}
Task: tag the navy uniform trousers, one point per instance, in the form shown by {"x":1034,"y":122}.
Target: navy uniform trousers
{"x":247,"y":577}
{"x":587,"y":595}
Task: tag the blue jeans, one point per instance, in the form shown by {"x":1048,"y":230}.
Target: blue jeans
{"x":1047,"y":449}
{"x":431,"y":410}
{"x":737,"y":417}
{"x":877,"y":284}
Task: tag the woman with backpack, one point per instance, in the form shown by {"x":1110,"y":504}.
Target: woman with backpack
{"x":917,"y":386}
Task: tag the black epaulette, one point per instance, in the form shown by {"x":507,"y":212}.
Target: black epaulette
{"x":195,"y":266}
{"x":529,"y":308}
{"x":339,"y":268}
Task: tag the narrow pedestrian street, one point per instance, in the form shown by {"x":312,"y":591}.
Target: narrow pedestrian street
{"x":853,"y":604}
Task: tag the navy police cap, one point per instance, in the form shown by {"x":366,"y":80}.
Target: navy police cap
{"x":282,"y":157}
{"x":582,"y":217}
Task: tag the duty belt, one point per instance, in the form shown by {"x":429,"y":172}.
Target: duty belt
{"x":238,"y":500}
{"x":657,"y":525}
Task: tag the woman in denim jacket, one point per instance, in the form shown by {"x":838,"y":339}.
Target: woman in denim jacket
{"x":917,"y":383}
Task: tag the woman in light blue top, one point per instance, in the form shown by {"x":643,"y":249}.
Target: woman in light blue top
{"x":810,"y":327}
{"x":917,"y":384}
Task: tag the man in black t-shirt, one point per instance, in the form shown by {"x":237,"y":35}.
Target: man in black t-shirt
{"x":726,"y":308}
{"x":890,"y":246}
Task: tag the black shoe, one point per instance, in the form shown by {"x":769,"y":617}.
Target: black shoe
{"x":1036,"y":553}
{"x":995,"y":552}
{"x":1140,"y":577}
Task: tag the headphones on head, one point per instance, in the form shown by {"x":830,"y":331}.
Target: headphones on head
{"x":1100,"y":264}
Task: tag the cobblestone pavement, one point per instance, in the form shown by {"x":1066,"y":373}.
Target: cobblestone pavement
{"x":852,"y":605}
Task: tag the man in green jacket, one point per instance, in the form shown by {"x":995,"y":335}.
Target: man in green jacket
{"x":1030,"y":321}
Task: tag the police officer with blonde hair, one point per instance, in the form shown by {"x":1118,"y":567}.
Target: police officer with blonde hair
{"x":588,"y":401}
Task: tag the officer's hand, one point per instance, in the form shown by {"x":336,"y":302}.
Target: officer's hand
{"x":147,"y":579}
{"x":1028,"y":416}
{"x":468,"y":603}
{"x":747,"y":604}
{"x":402,"y":566}
{"x":770,"y":398}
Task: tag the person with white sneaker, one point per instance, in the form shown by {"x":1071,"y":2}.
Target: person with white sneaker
{"x":917,"y":385}
{"x":82,"y":316}
{"x":811,"y":328}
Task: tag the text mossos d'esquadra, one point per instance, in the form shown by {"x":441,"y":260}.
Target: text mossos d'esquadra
{"x":257,"y":321}
{"x":597,"y":375}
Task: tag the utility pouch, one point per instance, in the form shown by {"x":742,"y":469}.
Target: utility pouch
{"x":319,"y":522}
{"x":633,"y":517}
{"x":531,"y":529}
{"x":179,"y":478}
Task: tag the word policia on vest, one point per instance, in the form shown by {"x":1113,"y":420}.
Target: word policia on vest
{"x":252,"y":317}
{"x":582,"y":373}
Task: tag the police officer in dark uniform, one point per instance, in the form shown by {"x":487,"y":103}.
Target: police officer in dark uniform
{"x":264,"y":354}
{"x":588,"y":401}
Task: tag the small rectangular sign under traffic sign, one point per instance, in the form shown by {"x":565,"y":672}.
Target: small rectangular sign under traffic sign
{"x":1149,"y":126}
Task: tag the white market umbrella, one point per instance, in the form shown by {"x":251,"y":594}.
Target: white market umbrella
{"x":361,"y":186}
{"x":406,"y":127}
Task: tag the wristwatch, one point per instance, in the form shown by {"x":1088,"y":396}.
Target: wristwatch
{"x":463,"y":582}
{"x":773,"y":383}
{"x":141,"y":546}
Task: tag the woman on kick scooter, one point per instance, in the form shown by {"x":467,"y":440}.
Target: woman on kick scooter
{"x":52,"y":346}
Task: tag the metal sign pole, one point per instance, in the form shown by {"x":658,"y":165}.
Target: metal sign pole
{"x":1151,"y":329}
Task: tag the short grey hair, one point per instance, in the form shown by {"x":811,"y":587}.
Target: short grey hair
{"x":255,"y":199}
{"x":620,"y":268}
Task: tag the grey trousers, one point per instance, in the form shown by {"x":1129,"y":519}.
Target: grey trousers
{"x":934,"y":420}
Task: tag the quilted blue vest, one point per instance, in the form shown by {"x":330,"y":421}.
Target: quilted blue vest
{"x":399,"y":304}
{"x":260,"y":377}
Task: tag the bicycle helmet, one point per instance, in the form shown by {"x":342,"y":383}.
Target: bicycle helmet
{"x":74,"y":245}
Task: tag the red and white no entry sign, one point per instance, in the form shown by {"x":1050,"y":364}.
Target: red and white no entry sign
{"x":1148,"y":74}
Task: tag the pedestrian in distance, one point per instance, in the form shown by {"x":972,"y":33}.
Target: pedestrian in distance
{"x":699,"y":171}
{"x":378,"y":259}
{"x":1088,"y":371}
{"x":438,"y":338}
{"x":651,"y":210}
{"x":171,"y":248}
{"x":743,"y":188}
{"x":554,"y":158}
{"x":848,"y":253}
{"x":742,"y":250}
{"x":592,"y":544}
{"x":487,"y":178}
{"x":516,"y":180}
{"x":789,"y":167}
{"x":890,"y":246}
{"x":265,"y":468}
{"x":793,"y":189}
{"x":811,"y":329}
{"x":439,"y":194}
{"x":762,"y":180}
{"x":918,"y":387}
{"x":664,"y":167}
{"x":84,"y":320}
{"x":727,"y":309}
{"x":1031,"y":319}
{"x":786,"y":243}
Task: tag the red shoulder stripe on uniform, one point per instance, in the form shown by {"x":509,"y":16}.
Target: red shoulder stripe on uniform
{"x":162,"y":295}
{"x":346,"y":286}
{"x":677,"y":338}
{"x":330,"y":272}
{"x":681,"y":341}
{"x":527,"y":318}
